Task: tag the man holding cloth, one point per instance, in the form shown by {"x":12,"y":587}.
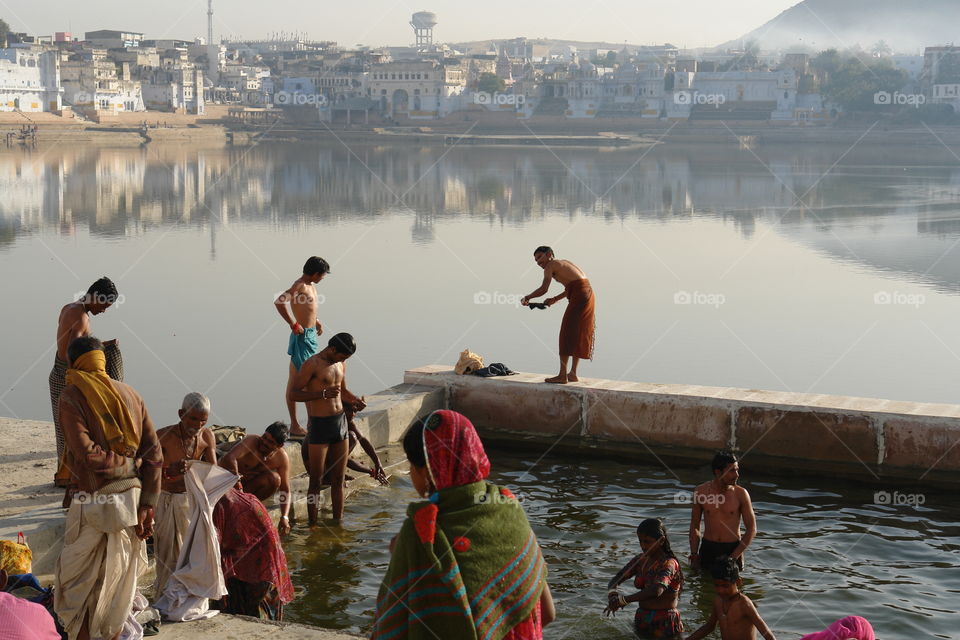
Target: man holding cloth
{"x":114,"y":459}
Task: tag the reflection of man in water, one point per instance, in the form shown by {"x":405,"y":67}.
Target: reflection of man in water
{"x":721,"y":504}
{"x":298,"y":307}
{"x":577,"y":327}
{"x":73,"y":323}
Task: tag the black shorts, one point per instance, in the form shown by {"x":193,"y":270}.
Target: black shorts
{"x":327,"y":429}
{"x":710,"y":551}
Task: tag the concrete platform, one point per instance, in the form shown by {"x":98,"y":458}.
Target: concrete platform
{"x":861,"y":438}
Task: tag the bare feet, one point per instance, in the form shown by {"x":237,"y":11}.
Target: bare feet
{"x":557,"y":380}
{"x":572,"y":378}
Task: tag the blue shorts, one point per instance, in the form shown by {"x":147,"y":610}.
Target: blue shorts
{"x":301,"y":346}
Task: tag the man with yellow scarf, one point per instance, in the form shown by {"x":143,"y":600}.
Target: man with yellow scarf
{"x":114,"y":460}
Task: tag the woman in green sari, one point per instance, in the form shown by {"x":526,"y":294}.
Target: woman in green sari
{"x":465,"y":564}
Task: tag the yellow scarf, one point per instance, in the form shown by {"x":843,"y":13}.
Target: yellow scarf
{"x":89,"y":374}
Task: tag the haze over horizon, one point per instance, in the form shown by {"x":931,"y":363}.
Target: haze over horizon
{"x":698,"y":23}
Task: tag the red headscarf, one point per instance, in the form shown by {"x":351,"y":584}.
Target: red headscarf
{"x":454,"y":453}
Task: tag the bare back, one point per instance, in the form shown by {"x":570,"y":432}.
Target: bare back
{"x":73,"y":323}
{"x":302,"y":297}
{"x":564,"y":272}
{"x":249,"y":461}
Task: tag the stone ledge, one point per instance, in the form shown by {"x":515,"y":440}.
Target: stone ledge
{"x":863,"y":438}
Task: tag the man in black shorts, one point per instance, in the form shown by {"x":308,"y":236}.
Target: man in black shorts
{"x":721,"y":504}
{"x":322,"y":384}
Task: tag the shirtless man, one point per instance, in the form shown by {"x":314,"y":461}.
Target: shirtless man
{"x":722,"y":504}
{"x":732,"y":610}
{"x":74,"y":322}
{"x":264,"y":468}
{"x":577,"y":327}
{"x":181,"y":443}
{"x":298,"y":308}
{"x":322,"y":384}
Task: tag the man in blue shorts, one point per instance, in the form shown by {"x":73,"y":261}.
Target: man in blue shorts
{"x":298,"y":308}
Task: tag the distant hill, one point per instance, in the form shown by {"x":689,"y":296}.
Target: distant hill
{"x":907,"y":27}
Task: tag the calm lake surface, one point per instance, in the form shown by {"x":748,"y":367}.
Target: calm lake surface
{"x":830,"y":270}
{"x":824,"y":550}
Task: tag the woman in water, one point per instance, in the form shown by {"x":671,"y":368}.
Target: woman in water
{"x":657,"y":577}
{"x":465,"y":564}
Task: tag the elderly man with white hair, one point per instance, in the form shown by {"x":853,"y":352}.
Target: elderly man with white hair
{"x":187,"y":440}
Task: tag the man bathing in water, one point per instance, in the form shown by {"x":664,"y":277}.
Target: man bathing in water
{"x":577,"y":327}
{"x":322,"y":384}
{"x":73,"y":323}
{"x":298,"y":308}
{"x":375,"y":471}
{"x":264,"y":468}
{"x":181,"y":443}
{"x":732,"y":610}
{"x":721,"y":504}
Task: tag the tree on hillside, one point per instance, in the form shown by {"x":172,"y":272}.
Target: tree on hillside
{"x":881,"y":49}
{"x":4,"y":30}
{"x":490,"y":83}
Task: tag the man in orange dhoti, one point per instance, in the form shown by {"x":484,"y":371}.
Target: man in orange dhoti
{"x":577,"y":327}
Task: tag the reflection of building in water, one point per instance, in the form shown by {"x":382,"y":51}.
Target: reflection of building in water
{"x":128,"y":192}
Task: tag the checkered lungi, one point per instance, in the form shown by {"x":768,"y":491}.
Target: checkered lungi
{"x":57,"y":382}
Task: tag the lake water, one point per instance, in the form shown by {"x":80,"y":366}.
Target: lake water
{"x":824,"y":550}
{"x":821,"y":269}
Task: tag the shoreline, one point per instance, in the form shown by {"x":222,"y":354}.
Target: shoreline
{"x":218,"y":131}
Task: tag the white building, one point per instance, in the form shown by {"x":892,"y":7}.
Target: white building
{"x":732,"y":95}
{"x":29,"y":79}
{"x":422,"y":89}
{"x":91,"y":82}
{"x":177,"y":89}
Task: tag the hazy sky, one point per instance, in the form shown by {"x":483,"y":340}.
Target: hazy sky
{"x":385,"y":22}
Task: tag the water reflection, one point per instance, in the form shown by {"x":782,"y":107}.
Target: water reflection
{"x":123,"y":192}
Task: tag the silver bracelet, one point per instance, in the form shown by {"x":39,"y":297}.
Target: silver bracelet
{"x":623,"y":601}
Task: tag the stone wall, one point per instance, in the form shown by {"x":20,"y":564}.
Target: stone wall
{"x":867,"y":439}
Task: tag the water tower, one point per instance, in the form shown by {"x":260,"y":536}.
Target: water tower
{"x":423,"y":23}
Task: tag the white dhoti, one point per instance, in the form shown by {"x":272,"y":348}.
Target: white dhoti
{"x":102,"y":557}
{"x":198,"y":576}
{"x":171,"y":522}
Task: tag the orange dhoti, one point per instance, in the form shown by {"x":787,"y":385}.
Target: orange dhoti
{"x":576,"y":330}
